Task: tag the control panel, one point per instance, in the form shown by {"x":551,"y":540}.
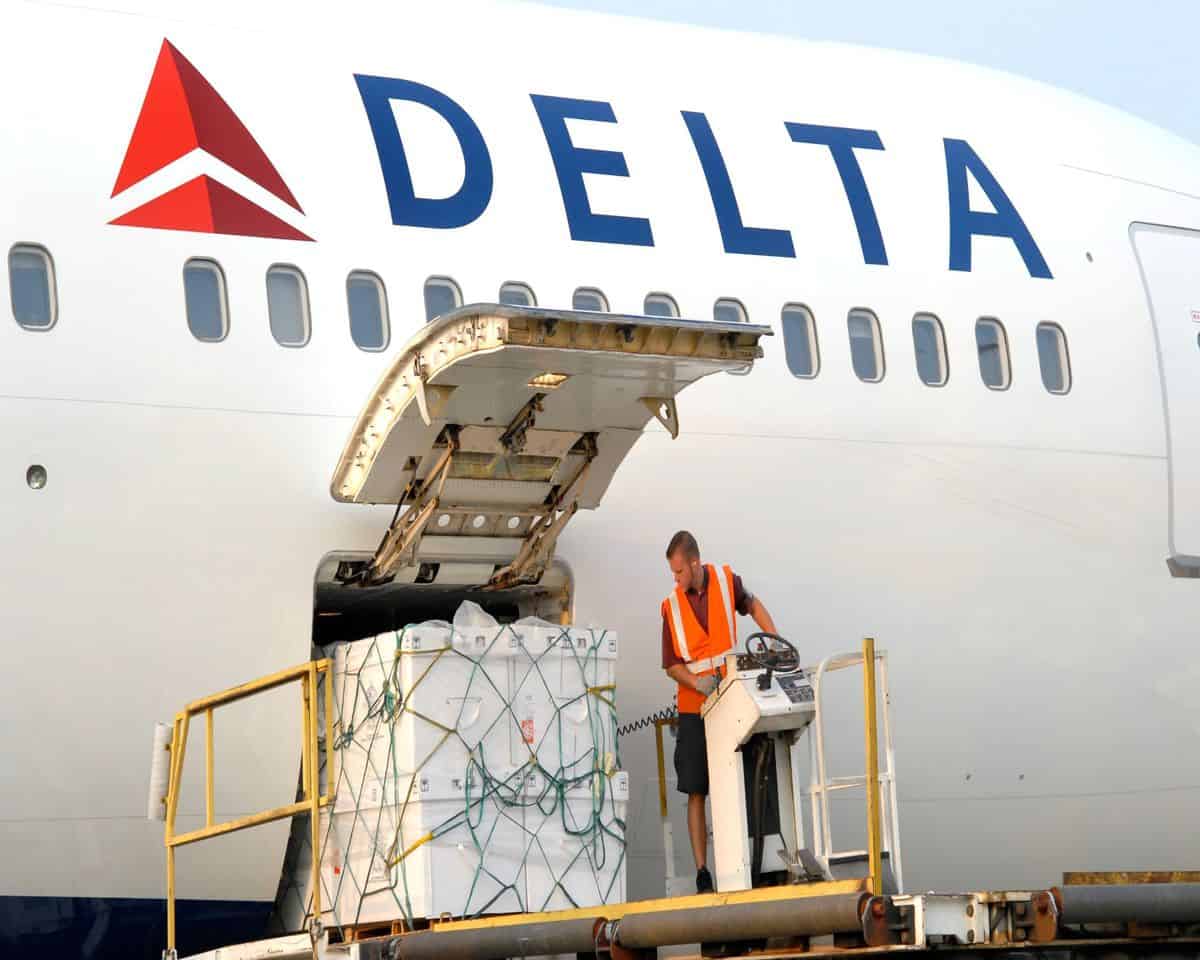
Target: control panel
{"x":796,"y":686}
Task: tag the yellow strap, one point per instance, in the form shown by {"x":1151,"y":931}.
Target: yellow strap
{"x":598,"y":693}
{"x":420,"y":843}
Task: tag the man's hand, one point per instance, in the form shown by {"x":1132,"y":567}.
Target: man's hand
{"x":684,"y":677}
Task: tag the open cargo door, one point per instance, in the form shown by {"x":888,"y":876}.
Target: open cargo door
{"x":496,"y":424}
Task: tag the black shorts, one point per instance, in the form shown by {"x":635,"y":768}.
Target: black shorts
{"x":691,"y":755}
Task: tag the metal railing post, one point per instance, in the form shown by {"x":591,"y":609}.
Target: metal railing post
{"x":208,"y":767}
{"x":305,"y":758}
{"x":178,"y":748}
{"x":664,"y":814}
{"x":890,"y":757}
{"x":314,"y":789}
{"x":874,"y":850}
{"x":662,"y":769}
{"x":329,"y":780}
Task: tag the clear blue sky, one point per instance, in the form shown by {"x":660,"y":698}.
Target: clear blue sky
{"x":1143,"y":57}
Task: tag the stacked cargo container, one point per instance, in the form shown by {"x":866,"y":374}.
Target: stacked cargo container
{"x":476,"y":773}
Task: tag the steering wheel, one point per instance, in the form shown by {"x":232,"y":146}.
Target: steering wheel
{"x":770,"y":651}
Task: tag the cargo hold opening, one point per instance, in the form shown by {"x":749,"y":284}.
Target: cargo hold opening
{"x":431,"y":590}
{"x":488,"y":432}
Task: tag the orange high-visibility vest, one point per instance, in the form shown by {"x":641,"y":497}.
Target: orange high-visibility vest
{"x":702,"y":652}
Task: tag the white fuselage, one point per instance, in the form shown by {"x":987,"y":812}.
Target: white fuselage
{"x":1007,"y":547}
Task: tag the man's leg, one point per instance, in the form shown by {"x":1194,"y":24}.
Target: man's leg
{"x":691,"y":769}
{"x":698,"y":829}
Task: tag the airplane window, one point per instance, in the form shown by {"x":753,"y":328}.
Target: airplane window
{"x":929,"y":344}
{"x":441,"y":296}
{"x":517,"y":295}
{"x":727,"y":310}
{"x":367,"y":302}
{"x":1053,"y":358}
{"x":589,"y":298}
{"x":993,"y":353}
{"x":31,"y":283}
{"x":800,"y":341}
{"x":660,"y":305}
{"x":866,"y":345}
{"x":287,"y":306}
{"x":205,"y":300}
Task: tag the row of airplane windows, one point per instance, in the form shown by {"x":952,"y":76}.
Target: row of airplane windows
{"x":929,"y":348}
{"x":35,"y":307}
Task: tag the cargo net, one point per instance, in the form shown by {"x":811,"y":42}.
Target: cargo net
{"x":477,"y":772}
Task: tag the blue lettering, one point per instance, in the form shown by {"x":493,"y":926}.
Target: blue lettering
{"x":409,"y":210}
{"x":736,"y":236}
{"x":842,"y":142}
{"x":572,"y":162}
{"x":966,"y":223}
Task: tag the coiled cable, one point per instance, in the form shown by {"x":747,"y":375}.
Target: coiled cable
{"x":666,"y":713}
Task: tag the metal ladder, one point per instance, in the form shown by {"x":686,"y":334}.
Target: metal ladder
{"x":821,"y":785}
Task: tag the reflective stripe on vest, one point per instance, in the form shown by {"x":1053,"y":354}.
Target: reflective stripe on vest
{"x":707,"y":665}
{"x":726,"y":602}
{"x":677,"y":630}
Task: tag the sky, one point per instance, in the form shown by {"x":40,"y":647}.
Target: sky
{"x":1141,"y":57}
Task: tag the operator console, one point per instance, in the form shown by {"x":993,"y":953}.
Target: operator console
{"x":759,"y":709}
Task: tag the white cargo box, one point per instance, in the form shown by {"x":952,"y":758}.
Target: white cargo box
{"x":475,"y":773}
{"x":563,"y":694}
{"x":577,"y":857}
{"x":458,"y":848}
{"x":423,"y":700}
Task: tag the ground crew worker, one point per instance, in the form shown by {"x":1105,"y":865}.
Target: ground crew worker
{"x":699,"y":628}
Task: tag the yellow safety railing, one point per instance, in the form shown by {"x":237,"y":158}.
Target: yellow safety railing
{"x":307,"y":674}
{"x":874,"y":813}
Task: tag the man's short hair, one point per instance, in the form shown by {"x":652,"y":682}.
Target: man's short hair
{"x":686,"y":542}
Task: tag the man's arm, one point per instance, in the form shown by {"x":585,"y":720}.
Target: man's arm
{"x":762,"y":617}
{"x":748,"y":605}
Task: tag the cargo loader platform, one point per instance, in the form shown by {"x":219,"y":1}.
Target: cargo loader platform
{"x":1101,"y":915}
{"x":1096,"y":919}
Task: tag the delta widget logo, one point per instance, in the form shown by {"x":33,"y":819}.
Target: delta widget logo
{"x":182,"y":113}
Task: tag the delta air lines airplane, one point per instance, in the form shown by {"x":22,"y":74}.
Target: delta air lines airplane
{"x":974,"y":434}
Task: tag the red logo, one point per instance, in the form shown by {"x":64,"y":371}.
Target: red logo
{"x":183,"y":113}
